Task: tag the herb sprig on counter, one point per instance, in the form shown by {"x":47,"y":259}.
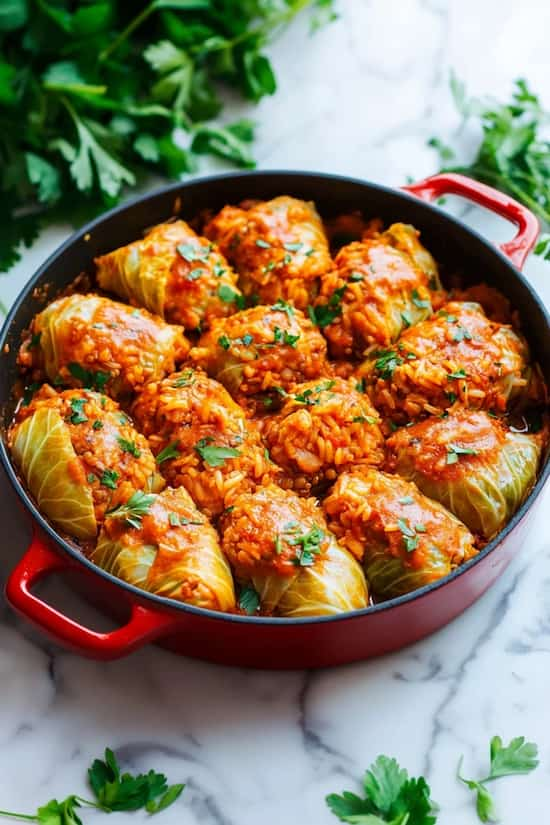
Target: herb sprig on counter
{"x":513,"y":155}
{"x":91,"y":96}
{"x":113,"y":791}
{"x":390,"y":796}
{"x":519,"y":757}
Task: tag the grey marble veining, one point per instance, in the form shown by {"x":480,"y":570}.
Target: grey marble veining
{"x":361,"y":99}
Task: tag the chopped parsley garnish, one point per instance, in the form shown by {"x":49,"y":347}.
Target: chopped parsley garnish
{"x":186,"y":379}
{"x":406,"y":500}
{"x":324,"y":314}
{"x":97,"y":425}
{"x":293,"y":247}
{"x":455,"y":450}
{"x":224,"y":342}
{"x":170,"y":451}
{"x":360,"y":385}
{"x":225,"y":293}
{"x":406,"y":318}
{"x":310,"y":252}
{"x":218,"y":270}
{"x":451,"y":319}
{"x":290,"y":340}
{"x":91,"y":478}
{"x":212,"y":455}
{"x":90,"y":380}
{"x":307,"y":544}
{"x":262,"y":244}
{"x":136,"y":507}
{"x":367,"y":419}
{"x":386,"y":362}
{"x":452,"y":396}
{"x":190,"y":252}
{"x":355,"y":277}
{"x":458,"y":374}
{"x":410,"y":537}
{"x":128,"y":447}
{"x":35,"y":340}
{"x":194,"y":274}
{"x":283,"y":306}
{"x":421,"y":303}
{"x":249,"y":600}
{"x":307,"y":396}
{"x":109,"y":479}
{"x":462,"y":334}
{"x":77,"y":406}
{"x":181,"y":521}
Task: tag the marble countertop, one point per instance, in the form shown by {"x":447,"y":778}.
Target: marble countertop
{"x":253,"y":747}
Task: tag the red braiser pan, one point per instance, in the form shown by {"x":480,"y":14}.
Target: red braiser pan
{"x":247,"y":640}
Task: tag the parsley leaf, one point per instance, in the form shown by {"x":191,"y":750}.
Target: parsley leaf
{"x":390,"y":797}
{"x":249,"y":600}
{"x":212,"y":455}
{"x":519,"y":757}
{"x":90,"y":380}
{"x":225,"y":293}
{"x":78,"y":415}
{"x":135,"y":508}
{"x":324,"y":314}
{"x":455,"y":450}
{"x":170,"y":451}
{"x":123,"y":792}
{"x":128,"y":447}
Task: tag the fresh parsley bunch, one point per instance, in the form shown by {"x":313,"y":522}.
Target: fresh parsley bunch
{"x":91,"y":94}
{"x":513,"y":155}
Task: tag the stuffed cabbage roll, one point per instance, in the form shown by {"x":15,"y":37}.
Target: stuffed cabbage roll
{"x":404,"y":539}
{"x":79,"y":454}
{"x":93,"y":342}
{"x":323,"y":428}
{"x":164,"y":545}
{"x":261,"y":350}
{"x":375,"y":291}
{"x":456,"y":355}
{"x":470,"y":462}
{"x":174,"y":273}
{"x":278,"y":247}
{"x":202,"y":439}
{"x":279,"y":545}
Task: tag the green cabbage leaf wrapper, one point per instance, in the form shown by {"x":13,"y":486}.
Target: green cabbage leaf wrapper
{"x":143,"y":281}
{"x":187,"y":564}
{"x":333,"y":584}
{"x":43,"y":451}
{"x":486,"y":495}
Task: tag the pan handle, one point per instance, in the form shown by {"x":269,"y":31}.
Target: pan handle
{"x":448,"y":183}
{"x":40,"y":561}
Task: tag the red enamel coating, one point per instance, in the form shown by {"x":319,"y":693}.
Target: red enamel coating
{"x":449,"y":183}
{"x":38,"y":562}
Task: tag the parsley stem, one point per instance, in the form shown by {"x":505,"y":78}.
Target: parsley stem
{"x":27,"y":817}
{"x":125,"y":33}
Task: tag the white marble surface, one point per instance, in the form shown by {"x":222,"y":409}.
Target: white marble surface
{"x":253,"y":747}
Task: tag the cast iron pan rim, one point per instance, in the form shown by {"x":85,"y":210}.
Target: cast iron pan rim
{"x":170,"y":604}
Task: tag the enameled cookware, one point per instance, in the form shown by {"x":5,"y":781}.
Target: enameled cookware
{"x":255,"y":641}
